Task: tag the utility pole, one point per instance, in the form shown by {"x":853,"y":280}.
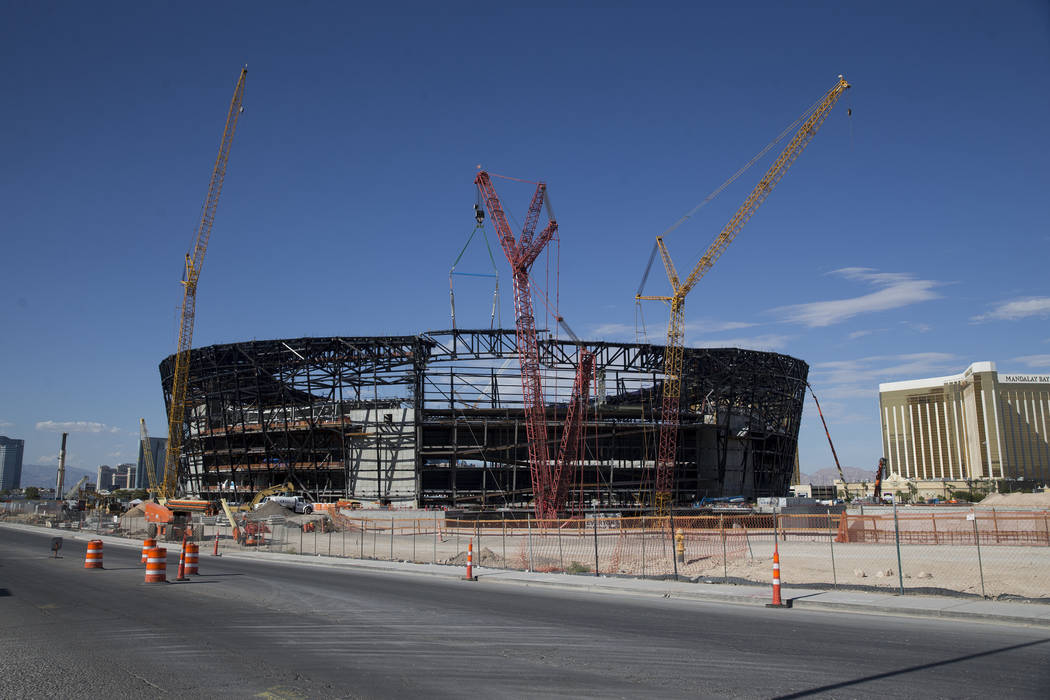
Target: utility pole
{"x":61,"y":467}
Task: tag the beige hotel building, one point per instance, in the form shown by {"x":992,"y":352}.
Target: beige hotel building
{"x":976,"y":425}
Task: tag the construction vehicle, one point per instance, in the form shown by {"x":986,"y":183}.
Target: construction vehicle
{"x":233,"y":511}
{"x":73,"y":498}
{"x":194,"y":261}
{"x":295,"y":503}
{"x":172,"y":519}
{"x":674,"y":349}
{"x":879,"y":472}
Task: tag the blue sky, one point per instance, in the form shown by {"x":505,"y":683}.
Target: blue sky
{"x":908,"y":241}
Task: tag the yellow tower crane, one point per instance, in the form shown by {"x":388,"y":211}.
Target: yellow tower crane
{"x":674,"y":350}
{"x":194,"y":260}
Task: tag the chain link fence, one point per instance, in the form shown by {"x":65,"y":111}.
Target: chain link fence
{"x":976,"y":551}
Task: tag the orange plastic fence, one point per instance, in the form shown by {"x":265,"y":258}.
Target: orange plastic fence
{"x":961,"y":528}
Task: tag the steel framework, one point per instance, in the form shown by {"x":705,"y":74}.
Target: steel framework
{"x":439,"y":419}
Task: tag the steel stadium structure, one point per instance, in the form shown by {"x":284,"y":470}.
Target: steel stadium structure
{"x":438,"y":419}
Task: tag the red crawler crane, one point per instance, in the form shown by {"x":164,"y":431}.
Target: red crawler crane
{"x":521,"y":253}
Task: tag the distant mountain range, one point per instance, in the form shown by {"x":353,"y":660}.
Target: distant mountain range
{"x":45,"y":475}
{"x":828,"y":476}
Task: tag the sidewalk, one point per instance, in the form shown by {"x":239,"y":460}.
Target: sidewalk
{"x":939,"y":607}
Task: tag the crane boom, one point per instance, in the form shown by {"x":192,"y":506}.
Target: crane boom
{"x":521,"y":253}
{"x":147,"y":457}
{"x":674,"y":348}
{"x":194,"y":261}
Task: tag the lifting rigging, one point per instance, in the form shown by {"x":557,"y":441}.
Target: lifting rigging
{"x":194,"y":260}
{"x":674,"y":348}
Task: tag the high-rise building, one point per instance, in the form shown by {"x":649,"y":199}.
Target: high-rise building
{"x":158,"y":448}
{"x":106,"y":478}
{"x":11,"y":462}
{"x":978,"y":424}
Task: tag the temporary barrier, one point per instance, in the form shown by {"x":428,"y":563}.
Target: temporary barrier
{"x":215,"y":552}
{"x":470,"y":561}
{"x":777,"y":602}
{"x":157,"y":565}
{"x":147,"y":544}
{"x":192,"y":557}
{"x":93,"y":558}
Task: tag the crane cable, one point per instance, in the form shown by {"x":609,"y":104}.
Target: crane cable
{"x":479,"y":217}
{"x":732,"y":178}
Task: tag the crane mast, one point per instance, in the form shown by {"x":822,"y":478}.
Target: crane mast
{"x":521,"y":253}
{"x":194,"y":261}
{"x":674,"y":348}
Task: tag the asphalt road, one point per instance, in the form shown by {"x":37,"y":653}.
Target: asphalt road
{"x":248,"y":629}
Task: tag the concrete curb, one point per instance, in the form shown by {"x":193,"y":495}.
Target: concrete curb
{"x":916,"y":606}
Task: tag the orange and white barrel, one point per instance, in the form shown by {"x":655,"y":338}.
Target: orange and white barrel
{"x":157,"y":565}
{"x":93,"y":558}
{"x":147,"y":545}
{"x":192,"y":557}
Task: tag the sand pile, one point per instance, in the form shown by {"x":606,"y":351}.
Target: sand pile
{"x":269,"y":509}
{"x":137,"y":512}
{"x":1037,"y":500}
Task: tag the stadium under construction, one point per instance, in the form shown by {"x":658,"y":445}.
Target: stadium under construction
{"x":438,"y":419}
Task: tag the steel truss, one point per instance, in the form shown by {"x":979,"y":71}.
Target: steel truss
{"x":439,"y":419}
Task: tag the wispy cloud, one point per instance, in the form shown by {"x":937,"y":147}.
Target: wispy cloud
{"x":859,"y":378}
{"x":76,"y":426}
{"x":859,"y":334}
{"x":6,"y":424}
{"x":1017,"y":309}
{"x":1033,"y":360}
{"x":759,"y":342}
{"x":897,"y":289}
{"x":612,"y":330}
{"x":656,"y":328}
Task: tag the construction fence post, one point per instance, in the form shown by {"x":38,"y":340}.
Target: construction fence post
{"x":391,"y":539}
{"x":725,"y":558}
{"x":435,"y":561}
{"x":528,"y":524}
{"x":897,"y":538}
{"x":596,"y":541}
{"x":831,"y":541}
{"x":972,"y":515}
{"x":674,"y":544}
{"x":504,"y":530}
{"x":643,"y":546}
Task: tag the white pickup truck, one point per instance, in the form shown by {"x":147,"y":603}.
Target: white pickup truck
{"x":296,"y":503}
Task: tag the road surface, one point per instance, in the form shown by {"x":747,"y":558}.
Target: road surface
{"x":246,"y":629}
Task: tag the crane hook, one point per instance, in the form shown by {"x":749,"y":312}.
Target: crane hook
{"x":479,"y":215}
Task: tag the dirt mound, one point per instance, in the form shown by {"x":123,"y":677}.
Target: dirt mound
{"x":136,"y":512}
{"x":483,"y":557}
{"x":269,"y":509}
{"x":1038,"y":500}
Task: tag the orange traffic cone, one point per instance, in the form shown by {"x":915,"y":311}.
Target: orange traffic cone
{"x":777,"y":602}
{"x":470,"y":562}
